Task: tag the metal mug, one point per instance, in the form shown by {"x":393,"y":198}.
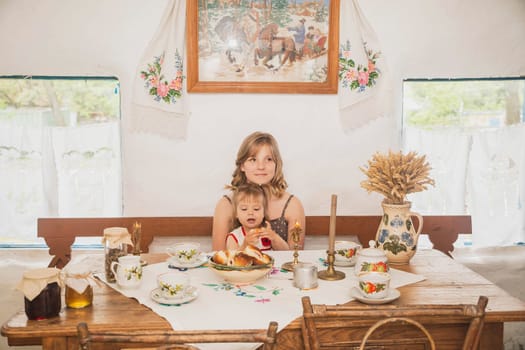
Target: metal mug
{"x":305,"y":276}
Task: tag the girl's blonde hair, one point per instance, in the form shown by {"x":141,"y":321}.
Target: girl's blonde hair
{"x":249,"y":147}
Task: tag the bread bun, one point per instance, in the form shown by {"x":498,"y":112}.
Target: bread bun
{"x":224,"y":257}
{"x":242,"y":260}
{"x":259,"y":258}
{"x":251,"y":255}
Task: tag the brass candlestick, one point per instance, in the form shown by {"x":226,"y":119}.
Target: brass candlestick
{"x":330,"y":274}
{"x":296,"y":235}
{"x":136,"y":237}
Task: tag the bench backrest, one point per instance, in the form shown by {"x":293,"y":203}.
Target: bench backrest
{"x":60,"y":233}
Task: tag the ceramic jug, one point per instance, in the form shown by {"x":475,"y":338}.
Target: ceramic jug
{"x":396,"y":234}
{"x":128,"y":271}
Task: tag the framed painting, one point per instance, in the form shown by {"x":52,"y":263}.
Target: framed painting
{"x":262,"y":46}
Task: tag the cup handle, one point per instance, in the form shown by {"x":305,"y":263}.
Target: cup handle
{"x":169,"y":251}
{"x":113,"y":267}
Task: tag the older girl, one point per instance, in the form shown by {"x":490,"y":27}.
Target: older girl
{"x":259,"y":162}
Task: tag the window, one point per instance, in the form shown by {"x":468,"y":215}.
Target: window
{"x":59,"y":151}
{"x":473,"y":134}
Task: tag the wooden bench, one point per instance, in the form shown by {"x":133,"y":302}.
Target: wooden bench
{"x":60,"y":233}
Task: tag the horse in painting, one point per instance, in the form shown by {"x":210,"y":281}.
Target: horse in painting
{"x":270,"y":45}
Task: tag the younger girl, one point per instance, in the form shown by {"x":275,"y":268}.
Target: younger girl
{"x":249,"y":208}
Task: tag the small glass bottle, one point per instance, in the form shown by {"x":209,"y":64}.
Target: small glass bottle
{"x":41,"y":288}
{"x":116,"y":241}
{"x":79,"y":292}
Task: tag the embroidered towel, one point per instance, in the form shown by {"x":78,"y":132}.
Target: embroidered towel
{"x":364,"y":92}
{"x":159,"y":94}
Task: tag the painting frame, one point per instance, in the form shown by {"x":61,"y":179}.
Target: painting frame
{"x":205,"y":85}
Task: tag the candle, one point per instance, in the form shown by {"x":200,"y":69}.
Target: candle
{"x":296,"y":232}
{"x":331,"y":230}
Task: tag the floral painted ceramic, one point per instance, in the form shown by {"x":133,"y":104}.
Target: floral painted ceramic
{"x":371,"y":260}
{"x":374,"y":285}
{"x":346,"y":252}
{"x":396,"y":235}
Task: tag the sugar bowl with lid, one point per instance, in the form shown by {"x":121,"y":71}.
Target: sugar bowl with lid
{"x":371,"y":260}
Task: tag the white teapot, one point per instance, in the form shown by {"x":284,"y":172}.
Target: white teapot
{"x":371,"y":260}
{"x":128,"y":271}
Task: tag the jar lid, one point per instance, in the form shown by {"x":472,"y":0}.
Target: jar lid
{"x":115,"y":236}
{"x":44,"y":273}
{"x":115,"y":231}
{"x":372,"y":251}
{"x":77,"y":270}
{"x":34,"y":281}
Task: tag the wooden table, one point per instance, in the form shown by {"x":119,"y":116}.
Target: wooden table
{"x":447,"y":282}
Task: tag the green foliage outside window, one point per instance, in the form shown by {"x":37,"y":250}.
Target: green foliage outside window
{"x":464,"y":103}
{"x":92,"y":99}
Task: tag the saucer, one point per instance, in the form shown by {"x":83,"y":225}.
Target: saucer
{"x":339,"y":263}
{"x":392,"y":295}
{"x":172,"y":262}
{"x":191,"y":294}
{"x":344,"y":263}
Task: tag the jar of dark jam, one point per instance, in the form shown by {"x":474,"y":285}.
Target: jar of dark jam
{"x":45,"y":283}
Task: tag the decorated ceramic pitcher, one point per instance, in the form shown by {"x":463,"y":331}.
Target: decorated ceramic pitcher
{"x":396,"y":234}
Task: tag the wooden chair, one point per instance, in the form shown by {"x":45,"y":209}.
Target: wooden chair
{"x":394,"y":327}
{"x":174,"y":340}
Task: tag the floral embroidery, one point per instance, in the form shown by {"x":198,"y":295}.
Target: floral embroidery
{"x":220,"y":286}
{"x":262,"y":300}
{"x":363,"y":76}
{"x":159,"y":87}
{"x":246,"y":291}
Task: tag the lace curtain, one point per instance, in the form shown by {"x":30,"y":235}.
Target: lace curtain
{"x":56,"y":171}
{"x":477,"y":172}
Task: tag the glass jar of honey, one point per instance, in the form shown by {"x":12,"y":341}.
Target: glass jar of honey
{"x":41,"y":288}
{"x":116,"y":241}
{"x":79,"y":286}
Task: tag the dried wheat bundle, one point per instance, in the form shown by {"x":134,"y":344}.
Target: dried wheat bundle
{"x":395,"y":175}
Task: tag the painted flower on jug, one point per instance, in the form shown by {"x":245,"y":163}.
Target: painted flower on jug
{"x":394,"y":245}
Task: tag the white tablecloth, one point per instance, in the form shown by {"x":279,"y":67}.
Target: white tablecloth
{"x":221,"y":305}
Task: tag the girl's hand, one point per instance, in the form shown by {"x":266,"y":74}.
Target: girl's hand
{"x":252,"y":237}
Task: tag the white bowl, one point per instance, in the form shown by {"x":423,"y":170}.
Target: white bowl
{"x":241,"y":275}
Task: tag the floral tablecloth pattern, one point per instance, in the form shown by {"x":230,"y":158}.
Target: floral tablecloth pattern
{"x":223,"y":305}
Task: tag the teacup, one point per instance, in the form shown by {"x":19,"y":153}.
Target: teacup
{"x":128,"y":271}
{"x":184,"y":253}
{"x":173,"y":285}
{"x":346,"y":252}
{"x":374,"y":285}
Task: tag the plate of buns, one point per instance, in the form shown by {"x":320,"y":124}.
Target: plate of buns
{"x":241,"y":266}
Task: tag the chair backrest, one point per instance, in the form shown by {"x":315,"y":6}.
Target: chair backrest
{"x":402,"y":326}
{"x":176,"y":339}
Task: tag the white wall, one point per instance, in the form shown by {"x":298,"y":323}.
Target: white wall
{"x":420,"y":39}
